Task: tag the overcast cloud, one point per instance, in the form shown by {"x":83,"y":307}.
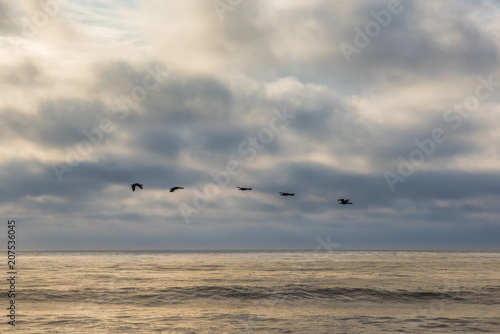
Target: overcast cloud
{"x":393,"y":104}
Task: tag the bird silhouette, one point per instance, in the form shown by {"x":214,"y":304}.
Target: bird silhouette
{"x":175,"y":188}
{"x":243,"y":189}
{"x":343,"y":201}
{"x":133,"y":186}
{"x":286,"y":194}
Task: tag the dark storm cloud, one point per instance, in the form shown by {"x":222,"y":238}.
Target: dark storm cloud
{"x":407,"y":44}
{"x":165,"y":141}
{"x":184,"y":98}
{"x":122,"y":170}
{"x":171,"y":140}
{"x":336,"y":128}
{"x":24,"y":179}
{"x":34,"y":179}
{"x":314,"y":122}
{"x":177,"y":98}
{"x":420,"y":40}
{"x":398,"y":141}
{"x":450,"y":185}
{"x":337,"y":184}
{"x":192,"y":112}
{"x":370,"y":191}
{"x":58,"y":123}
{"x":225,"y":140}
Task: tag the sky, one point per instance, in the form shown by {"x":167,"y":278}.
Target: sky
{"x":392,"y":104}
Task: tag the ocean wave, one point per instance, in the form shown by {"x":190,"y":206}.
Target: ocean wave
{"x":487,"y":295}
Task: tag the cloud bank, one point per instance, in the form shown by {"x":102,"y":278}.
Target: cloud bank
{"x":394,"y":104}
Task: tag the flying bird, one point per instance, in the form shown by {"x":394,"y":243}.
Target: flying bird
{"x":343,"y":201}
{"x":136,"y":185}
{"x":287,"y":194}
{"x":175,"y":188}
{"x":243,"y":189}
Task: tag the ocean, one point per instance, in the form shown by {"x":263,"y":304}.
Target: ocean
{"x":255,"y":292}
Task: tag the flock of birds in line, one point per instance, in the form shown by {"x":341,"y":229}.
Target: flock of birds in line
{"x":341,"y":201}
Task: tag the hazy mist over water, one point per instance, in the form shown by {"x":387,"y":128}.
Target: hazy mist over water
{"x":258,"y":292}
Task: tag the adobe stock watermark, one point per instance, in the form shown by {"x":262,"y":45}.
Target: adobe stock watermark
{"x":223,"y":6}
{"x":31,"y":26}
{"x":249,"y":149}
{"x":327,"y":245}
{"x":372,"y":29}
{"x":121,"y":107}
{"x":453,"y":117}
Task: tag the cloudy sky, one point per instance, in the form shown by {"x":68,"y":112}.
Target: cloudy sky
{"x":394,"y":105}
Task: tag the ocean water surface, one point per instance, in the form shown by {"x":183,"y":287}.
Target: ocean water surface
{"x":256,"y":292}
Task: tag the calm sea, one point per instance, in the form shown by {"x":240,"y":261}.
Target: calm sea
{"x":256,"y":292}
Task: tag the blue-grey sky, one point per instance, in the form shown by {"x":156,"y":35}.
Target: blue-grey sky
{"x":393,"y":104}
